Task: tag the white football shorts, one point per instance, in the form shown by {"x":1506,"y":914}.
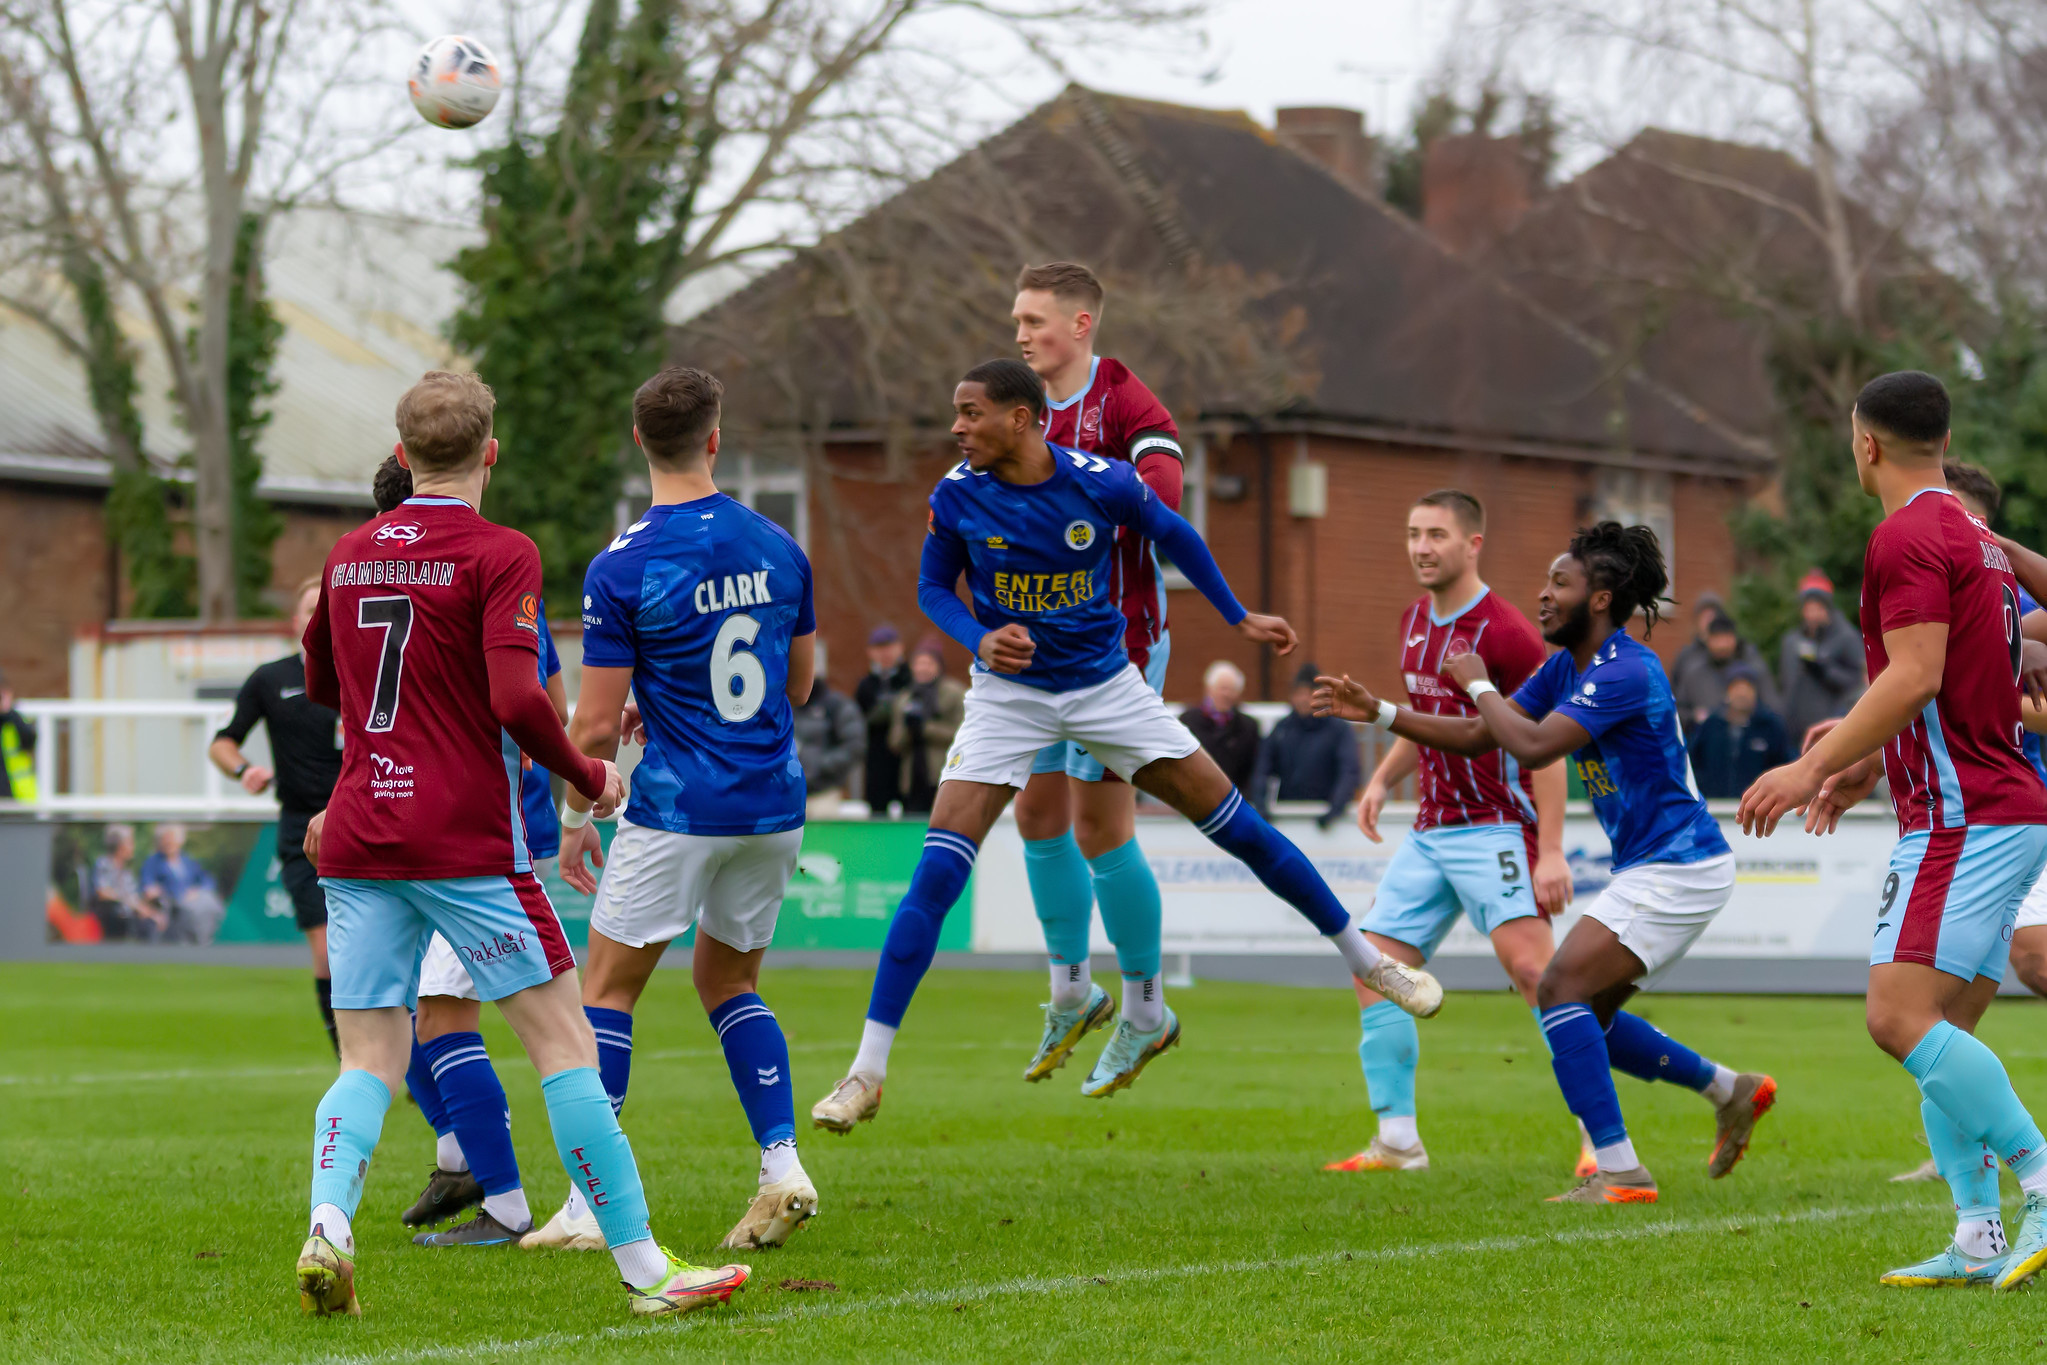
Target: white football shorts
{"x":2033,"y":909}
{"x":441,"y":972}
{"x":1658,"y":910}
{"x":1121,"y":722}
{"x":657,"y":883}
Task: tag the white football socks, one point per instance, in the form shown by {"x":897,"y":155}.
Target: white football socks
{"x":578,"y":1207}
{"x":1144,"y":1002}
{"x":641,"y":1264}
{"x":510,"y":1209}
{"x":2034,"y":1181}
{"x":1072,"y":984}
{"x":1398,"y":1130}
{"x":1980,"y":1237}
{"x":448,"y":1153}
{"x":333,"y":1224}
{"x":1619,"y":1157}
{"x":1720,"y":1089}
{"x":1357,"y":950}
{"x":875,"y":1041}
{"x":778,"y":1159}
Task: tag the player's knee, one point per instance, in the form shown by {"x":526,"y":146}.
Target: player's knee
{"x":1554,"y":987}
{"x":1526,"y":975}
{"x":1894,"y":1029}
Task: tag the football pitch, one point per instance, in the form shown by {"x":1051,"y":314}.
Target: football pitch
{"x":154,"y":1140}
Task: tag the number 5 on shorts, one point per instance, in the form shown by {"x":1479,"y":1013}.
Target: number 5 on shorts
{"x":1510,"y":870}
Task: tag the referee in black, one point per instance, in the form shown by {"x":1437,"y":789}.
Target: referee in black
{"x":305,"y":739}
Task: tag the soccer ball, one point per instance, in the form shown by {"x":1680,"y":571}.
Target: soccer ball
{"x":455,"y":82}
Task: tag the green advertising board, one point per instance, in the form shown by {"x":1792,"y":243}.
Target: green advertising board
{"x":848,"y":879}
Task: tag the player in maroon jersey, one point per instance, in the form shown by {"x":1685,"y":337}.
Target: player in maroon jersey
{"x":1078,"y":822}
{"x":426,"y":640}
{"x":1483,"y":823}
{"x":1940,"y":629}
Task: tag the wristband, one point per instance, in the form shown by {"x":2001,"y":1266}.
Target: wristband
{"x":1478,"y":687}
{"x":237,"y":773}
{"x":1387,"y":711}
{"x":573,"y":818}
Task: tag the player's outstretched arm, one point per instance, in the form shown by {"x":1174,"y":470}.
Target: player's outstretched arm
{"x":943,"y":561}
{"x":595,"y":730}
{"x":1349,"y":699}
{"x":520,"y":705}
{"x":1189,"y":553}
{"x":1918,"y":657}
{"x":1534,"y":743}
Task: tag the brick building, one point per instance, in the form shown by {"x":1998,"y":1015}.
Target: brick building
{"x":1328,"y":359}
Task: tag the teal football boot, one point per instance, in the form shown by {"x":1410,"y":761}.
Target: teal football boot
{"x":1065,"y":1028}
{"x":1949,"y":1268}
{"x":1128,"y":1053}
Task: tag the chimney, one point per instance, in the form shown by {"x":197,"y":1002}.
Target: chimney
{"x":1336,"y":140}
{"x":1474,"y":189}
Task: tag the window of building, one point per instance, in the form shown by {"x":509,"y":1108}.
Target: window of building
{"x":1638,"y":497}
{"x":775,"y":488}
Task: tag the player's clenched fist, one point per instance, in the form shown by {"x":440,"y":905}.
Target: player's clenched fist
{"x":1008,"y":649}
{"x":614,"y":792}
{"x":1344,"y":698}
{"x":1465,"y":669}
{"x":1269,"y":630}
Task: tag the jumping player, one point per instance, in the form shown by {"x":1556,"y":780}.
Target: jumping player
{"x":1603,"y":699}
{"x":703,"y":609}
{"x":1077,"y":819}
{"x":1029,"y":524}
{"x":1484,"y":823}
{"x":1940,"y":626}
{"x":425,"y":641}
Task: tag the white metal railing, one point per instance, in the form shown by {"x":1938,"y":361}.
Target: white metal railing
{"x":92,"y":726}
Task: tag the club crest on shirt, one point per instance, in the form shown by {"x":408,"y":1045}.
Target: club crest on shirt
{"x":1088,"y":427}
{"x":1079,"y":534}
{"x":1456,"y":647}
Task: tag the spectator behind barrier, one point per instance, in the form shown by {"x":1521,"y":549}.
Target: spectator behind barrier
{"x":1307,"y":757}
{"x":114,"y":897}
{"x":829,"y":733}
{"x":1740,"y":741}
{"x":181,"y":888}
{"x":887,"y":676}
{"x":922,"y":722}
{"x":1820,"y":662}
{"x":17,"y":750}
{"x":1230,"y":736}
{"x":1698,"y":676}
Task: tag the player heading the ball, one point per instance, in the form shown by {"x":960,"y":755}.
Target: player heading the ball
{"x":1030,"y":524}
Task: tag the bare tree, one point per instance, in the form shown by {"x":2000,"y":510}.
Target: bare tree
{"x":151,"y":129}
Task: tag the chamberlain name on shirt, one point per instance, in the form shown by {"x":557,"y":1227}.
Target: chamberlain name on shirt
{"x":1044,"y":591}
{"x":733,"y":590}
{"x":432,"y":573}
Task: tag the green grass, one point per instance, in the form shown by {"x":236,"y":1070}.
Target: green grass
{"x":154,"y":1143}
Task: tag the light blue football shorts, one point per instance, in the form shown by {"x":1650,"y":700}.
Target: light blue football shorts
{"x":1477,"y":870}
{"x":503,"y":930}
{"x":1953,"y":895}
{"x":1074,"y":761}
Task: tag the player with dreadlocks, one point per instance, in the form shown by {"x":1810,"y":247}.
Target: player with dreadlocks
{"x":1602,"y":698}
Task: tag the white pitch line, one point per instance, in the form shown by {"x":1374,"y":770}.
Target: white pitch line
{"x":252,"y":1073}
{"x":945,"y":1298}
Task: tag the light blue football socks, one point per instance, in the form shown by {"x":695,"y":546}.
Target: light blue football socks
{"x":1063,"y":894}
{"x":346,"y":1126}
{"x":1964,"y":1078}
{"x":1389,"y":1050}
{"x":595,"y":1153}
{"x":1129,"y":896}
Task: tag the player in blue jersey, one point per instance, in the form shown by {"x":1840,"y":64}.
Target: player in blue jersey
{"x":703,"y":609}
{"x":1031,"y":526}
{"x":1603,"y":699}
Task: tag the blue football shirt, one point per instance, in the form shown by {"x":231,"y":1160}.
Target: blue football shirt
{"x":1635,"y":767}
{"x":1042,"y":555}
{"x":536,"y":790}
{"x":701,"y":599}
{"x":2027,"y":606}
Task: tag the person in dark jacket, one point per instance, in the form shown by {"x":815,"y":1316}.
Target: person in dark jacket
{"x":1698,"y":678}
{"x":887,"y":676}
{"x":1739,"y":742}
{"x":828,"y":739}
{"x":1820,"y":665}
{"x":923,"y":721}
{"x":1307,"y":757}
{"x":1230,"y":736}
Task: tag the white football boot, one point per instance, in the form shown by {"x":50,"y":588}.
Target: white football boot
{"x":573,"y":1228}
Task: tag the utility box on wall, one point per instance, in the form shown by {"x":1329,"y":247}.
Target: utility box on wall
{"x":1308,"y":489}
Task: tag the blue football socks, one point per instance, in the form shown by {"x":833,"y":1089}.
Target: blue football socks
{"x":1062,"y":894}
{"x":476,"y":1108}
{"x":1969,"y":1167}
{"x":419,"y":1080}
{"x":346,"y":1127}
{"x":1584,"y":1073}
{"x":757,"y":1055}
{"x":614,"y":1029}
{"x":1962,"y":1076}
{"x":1129,"y":897}
{"x":1389,"y":1049}
{"x":1638,"y":1047}
{"x":906,"y":953}
{"x":596,"y":1154}
{"x":1243,"y":833}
